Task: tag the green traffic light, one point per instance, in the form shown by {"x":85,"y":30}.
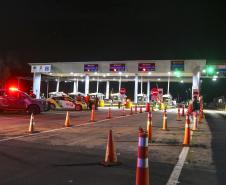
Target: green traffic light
{"x":210,"y":70}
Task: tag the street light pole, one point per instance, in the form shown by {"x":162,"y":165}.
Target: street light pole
{"x":168,"y":83}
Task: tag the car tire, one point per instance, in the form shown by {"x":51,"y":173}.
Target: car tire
{"x":33,"y":109}
{"x":78,"y":107}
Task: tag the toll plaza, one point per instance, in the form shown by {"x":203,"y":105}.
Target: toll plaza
{"x":106,"y":72}
{"x":160,"y":147}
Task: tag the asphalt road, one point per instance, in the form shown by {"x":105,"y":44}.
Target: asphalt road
{"x":72,"y":155}
{"x":206,"y":162}
{"x":60,"y":156}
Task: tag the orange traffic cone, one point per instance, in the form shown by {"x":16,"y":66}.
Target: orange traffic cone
{"x":67,"y":120}
{"x":123,"y":111}
{"x":32,"y":124}
{"x":164,"y":121}
{"x":109,"y":114}
{"x":178,"y":114}
{"x":110,"y":155}
{"x":142,"y":171}
{"x":187,"y":131}
{"x":131,"y":110}
{"x":195,"y":121}
{"x":149,"y":126}
{"x":135,"y":109}
{"x":141,"y":110}
{"x":92,"y":117}
{"x":182,"y":111}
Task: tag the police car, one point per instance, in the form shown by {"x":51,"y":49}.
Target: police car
{"x":13,"y":99}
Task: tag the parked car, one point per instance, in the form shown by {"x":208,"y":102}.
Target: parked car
{"x":65,"y":103}
{"x":13,"y":99}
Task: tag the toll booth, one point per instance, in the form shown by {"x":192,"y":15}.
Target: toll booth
{"x":141,"y":99}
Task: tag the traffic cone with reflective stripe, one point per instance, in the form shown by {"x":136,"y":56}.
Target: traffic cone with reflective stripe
{"x":164,"y":121}
{"x":67,"y":120}
{"x":195,"y":121}
{"x":32,"y":124}
{"x":149,"y":126}
{"x":178,"y":114}
{"x":109,"y":114}
{"x":92,"y":117}
{"x":123,"y":111}
{"x":182,"y":111}
{"x":135,"y":110}
{"x":142,"y":171}
{"x":110,"y":155}
{"x":131,"y":110}
{"x":186,"y":141}
{"x":141,"y":110}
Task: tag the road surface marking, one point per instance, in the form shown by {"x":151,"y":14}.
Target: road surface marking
{"x":174,"y":177}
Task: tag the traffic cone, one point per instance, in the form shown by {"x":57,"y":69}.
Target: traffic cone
{"x":109,"y":114}
{"x":67,"y":120}
{"x":147,"y":107}
{"x":123,"y":111}
{"x":92,"y":117}
{"x":141,"y":109}
{"x":178,"y":114}
{"x":131,"y":110}
{"x":195,"y":121}
{"x":142,"y":171}
{"x":164,"y":121}
{"x":182,"y":111}
{"x":110,"y":155}
{"x":149,"y":126}
{"x":135,"y":109}
{"x":32,"y":124}
{"x":186,"y":141}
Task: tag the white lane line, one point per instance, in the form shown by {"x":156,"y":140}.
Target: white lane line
{"x":174,"y":177}
{"x":58,"y":129}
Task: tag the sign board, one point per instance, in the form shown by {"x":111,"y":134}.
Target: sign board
{"x":177,"y":66}
{"x":90,"y":67}
{"x":195,"y":92}
{"x":146,"y":67}
{"x":117,"y":67}
{"x":221,"y":69}
{"x":156,"y":94}
{"x":41,"y":68}
{"x":122,"y":91}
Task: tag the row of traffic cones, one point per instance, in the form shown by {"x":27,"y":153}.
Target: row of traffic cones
{"x":67,"y":123}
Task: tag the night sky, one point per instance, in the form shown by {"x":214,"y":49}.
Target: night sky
{"x":78,"y":30}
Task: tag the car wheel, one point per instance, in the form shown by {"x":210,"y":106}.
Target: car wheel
{"x":33,"y":109}
{"x":52,"y":106}
{"x":78,"y":107}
